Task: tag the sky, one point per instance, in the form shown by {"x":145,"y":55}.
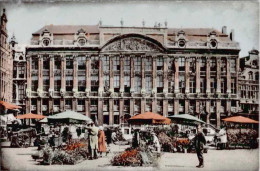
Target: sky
{"x":242,"y":16}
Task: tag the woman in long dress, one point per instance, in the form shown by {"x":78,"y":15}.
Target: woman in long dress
{"x":101,"y":141}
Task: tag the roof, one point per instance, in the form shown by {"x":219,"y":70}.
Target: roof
{"x":68,"y":29}
{"x":72,"y":29}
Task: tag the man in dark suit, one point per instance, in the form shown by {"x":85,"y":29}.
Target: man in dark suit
{"x":200,"y":141}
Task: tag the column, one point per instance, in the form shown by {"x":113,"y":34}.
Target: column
{"x":165,"y":74}
{"x":63,"y":74}
{"x":74,"y":104}
{"x":28,"y":105}
{"x":143,"y":72}
{"x":208,"y":111}
{"x":187,"y":78}
{"x":40,"y":67}
{"x":165,"y":107}
{"x":29,"y":72}
{"x":87,"y":107}
{"x":186,"y":106}
{"x":197,"y":110}
{"x":237,"y":71}
{"x":143,"y":103}
{"x":100,"y":77}
{"x":111,"y":111}
{"x":121,"y":110}
{"x":39,"y":106}
{"x":50,"y":106}
{"x":154,"y":75}
{"x":176,"y":106}
{"x":62,"y":104}
{"x":228,"y":78}
{"x":218,"y":105}
{"x":228,"y":107}
{"x":176,"y":79}
{"x":121,"y":73}
{"x":154,"y":105}
{"x":197,"y":75}
{"x":218,"y":76}
{"x":100,"y":112}
{"x":51,"y":74}
{"x":111,"y":79}
{"x":132,"y":77}
{"x":207,"y":75}
{"x":88,"y":73}
{"x":75,"y":74}
{"x":132,"y":107}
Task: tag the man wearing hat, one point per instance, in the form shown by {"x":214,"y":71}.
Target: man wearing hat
{"x":200,"y":141}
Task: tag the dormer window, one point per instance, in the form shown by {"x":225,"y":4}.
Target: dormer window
{"x":181,"y":43}
{"x":82,"y":42}
{"x":46,"y":42}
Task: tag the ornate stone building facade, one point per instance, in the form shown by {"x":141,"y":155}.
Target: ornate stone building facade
{"x":19,"y":74}
{"x":110,"y":72}
{"x":6,"y":63}
{"x":249,"y":84}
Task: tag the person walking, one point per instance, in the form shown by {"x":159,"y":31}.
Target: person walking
{"x":200,"y":141}
{"x":93,"y":140}
{"x":101,"y":141}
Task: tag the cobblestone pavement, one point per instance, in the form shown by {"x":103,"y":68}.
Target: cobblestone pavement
{"x":20,"y":159}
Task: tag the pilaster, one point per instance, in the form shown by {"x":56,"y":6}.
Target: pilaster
{"x":218,"y":105}
{"x":187,"y":78}
{"x":207,"y":75}
{"x":111,"y":111}
{"x":100,"y":112}
{"x":176,"y":79}
{"x":197,"y":75}
{"x":165,"y":108}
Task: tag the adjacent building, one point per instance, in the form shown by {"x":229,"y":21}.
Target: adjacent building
{"x":109,"y":72}
{"x":19,"y":74}
{"x":249,"y":85}
{"x":6,"y":63}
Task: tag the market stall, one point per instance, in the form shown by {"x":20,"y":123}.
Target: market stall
{"x":240,"y":132}
{"x":149,"y":118}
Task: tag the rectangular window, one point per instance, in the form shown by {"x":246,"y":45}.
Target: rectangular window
{"x":57,"y":63}
{"x":203,"y":85}
{"x":68,"y":104}
{"x":57,"y":85}
{"x":56,"y":102}
{"x":181,"y":61}
{"x":171,"y":64}
{"x":213,"y":64}
{"x":81,"y":83}
{"x":213,"y":85}
{"x":106,"y":82}
{"x":182,"y":84}
{"x":192,"y":84}
{"x":137,"y":84}
{"x":81,"y":63}
{"x":193,"y":65}
{"x":159,"y":84}
{"x":232,"y":65}
{"x":223,"y":85}
{"x":69,"y":62}
{"x":81,"y":102}
{"x":148,"y":83}
{"x":35,"y":64}
{"x":223,"y":65}
{"x":116,"y":64}
{"x":137,"y":64}
{"x":116,"y":83}
{"x":233,"y":86}
{"x":148,"y":64}
{"x":202,"y":64}
{"x":127,"y":64}
{"x":69,"y":83}
{"x":46,"y":83}
{"x":105,"y":63}
{"x":127,"y":83}
{"x":21,"y":71}
{"x":95,"y":63}
{"x":34,"y":83}
{"x":94,"y":83}
{"x":170,"y":84}
{"x":159,"y":63}
{"x":46,"y":63}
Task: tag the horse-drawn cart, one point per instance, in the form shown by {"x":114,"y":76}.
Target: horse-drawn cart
{"x":23,"y":137}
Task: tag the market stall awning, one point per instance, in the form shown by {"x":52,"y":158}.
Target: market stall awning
{"x":10,"y":106}
{"x":30,"y":116}
{"x":149,"y":118}
{"x":186,"y":119}
{"x":240,"y":119}
{"x":69,"y":117}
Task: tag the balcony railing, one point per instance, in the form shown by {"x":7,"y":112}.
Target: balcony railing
{"x":67,"y":107}
{"x":93,"y":108}
{"x":56,"y":108}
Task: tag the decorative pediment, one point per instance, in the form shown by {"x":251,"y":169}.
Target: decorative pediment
{"x":132,"y":44}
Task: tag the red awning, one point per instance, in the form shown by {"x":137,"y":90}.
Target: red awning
{"x":9,"y":105}
{"x":30,"y":116}
{"x":239,"y":119}
{"x":149,"y":118}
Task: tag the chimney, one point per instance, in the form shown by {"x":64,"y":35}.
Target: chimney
{"x":232,"y":35}
{"x":224,"y":29}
